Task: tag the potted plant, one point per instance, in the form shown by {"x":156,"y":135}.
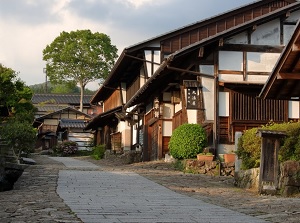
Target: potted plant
{"x":205,"y":155}
{"x":229,"y":157}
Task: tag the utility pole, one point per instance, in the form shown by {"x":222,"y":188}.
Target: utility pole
{"x":45,"y":72}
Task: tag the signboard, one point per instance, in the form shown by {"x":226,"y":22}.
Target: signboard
{"x":192,"y":98}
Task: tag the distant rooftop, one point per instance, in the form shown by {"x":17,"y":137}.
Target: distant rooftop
{"x":71,"y":99}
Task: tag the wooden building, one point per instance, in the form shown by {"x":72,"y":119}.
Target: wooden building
{"x":209,"y":73}
{"x":61,"y":125}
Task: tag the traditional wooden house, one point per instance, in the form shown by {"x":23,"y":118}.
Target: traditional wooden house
{"x":209,"y":73}
{"x":48,"y":103}
{"x":283,"y":83}
{"x":64,"y":124}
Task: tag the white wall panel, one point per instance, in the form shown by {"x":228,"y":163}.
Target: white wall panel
{"x":267,"y":34}
{"x":224,"y":104}
{"x":230,"y":60}
{"x":208,"y":97}
{"x":294,"y":109}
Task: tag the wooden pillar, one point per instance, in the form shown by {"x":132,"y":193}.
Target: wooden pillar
{"x":269,"y":165}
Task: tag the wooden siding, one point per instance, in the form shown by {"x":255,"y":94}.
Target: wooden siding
{"x":248,"y":112}
{"x":249,"y":108}
{"x":165,"y":145}
{"x":113,"y":101}
{"x":133,"y":88}
{"x":210,"y":28}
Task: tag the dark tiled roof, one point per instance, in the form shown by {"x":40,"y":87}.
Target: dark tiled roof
{"x":60,"y":99}
{"x":49,"y":109}
{"x":64,"y":110}
{"x":72,"y":123}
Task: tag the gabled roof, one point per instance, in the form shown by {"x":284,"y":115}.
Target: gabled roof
{"x":125,"y":62}
{"x":160,"y":76}
{"x":101,"y":119}
{"x":64,"y":110}
{"x":71,"y":99}
{"x":284,"y":81}
{"x":72,"y":123}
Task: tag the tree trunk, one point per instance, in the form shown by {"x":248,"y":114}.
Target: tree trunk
{"x":81,"y":96}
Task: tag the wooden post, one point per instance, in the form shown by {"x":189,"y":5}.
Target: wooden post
{"x":269,"y":167}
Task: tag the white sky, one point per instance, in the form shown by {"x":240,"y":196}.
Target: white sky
{"x":27,"y":26}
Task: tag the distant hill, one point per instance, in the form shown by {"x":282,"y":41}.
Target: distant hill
{"x":60,"y":88}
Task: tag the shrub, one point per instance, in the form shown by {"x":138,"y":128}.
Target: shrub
{"x":187,"y":141}
{"x":98,"y":152}
{"x":66,"y":148}
{"x":249,"y":145}
{"x":20,"y":136}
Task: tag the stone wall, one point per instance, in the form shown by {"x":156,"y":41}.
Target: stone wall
{"x":289,"y":180}
{"x":248,"y":179}
{"x":126,"y":157}
{"x":212,"y":168}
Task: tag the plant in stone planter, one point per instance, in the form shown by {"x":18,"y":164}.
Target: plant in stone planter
{"x":205,"y":155}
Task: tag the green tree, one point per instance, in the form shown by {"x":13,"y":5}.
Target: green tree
{"x":15,"y":96}
{"x":19,"y":135}
{"x":80,"y":56}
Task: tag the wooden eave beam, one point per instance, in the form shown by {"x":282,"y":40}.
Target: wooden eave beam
{"x":288,"y":76}
{"x":252,"y":48}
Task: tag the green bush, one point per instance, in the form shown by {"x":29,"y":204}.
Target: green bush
{"x":187,"y":141}
{"x":249,"y":145}
{"x":98,"y":152}
{"x":20,"y":136}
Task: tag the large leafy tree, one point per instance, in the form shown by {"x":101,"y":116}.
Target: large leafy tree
{"x":15,"y":96}
{"x":16,"y":112}
{"x":80,"y":56}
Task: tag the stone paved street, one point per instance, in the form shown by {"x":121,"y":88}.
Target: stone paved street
{"x":115,"y":198}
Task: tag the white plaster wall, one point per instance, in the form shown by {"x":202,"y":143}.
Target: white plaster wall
{"x":267,"y":34}
{"x":224,"y":104}
{"x":241,"y":38}
{"x":257,"y":79}
{"x":178,"y":107}
{"x":192,"y":116}
{"x":288,"y":31}
{"x":134,"y":135}
{"x":207,"y":69}
{"x":51,"y":121}
{"x":208,"y":97}
{"x":294,"y":16}
{"x":156,"y":59}
{"x":123,"y":89}
{"x":168,"y":110}
{"x":294,"y":109}
{"x":231,"y":78}
{"x":167,"y":128}
{"x":230,"y":60}
{"x":124,"y":128}
{"x":148,"y":56}
{"x":261,"y":62}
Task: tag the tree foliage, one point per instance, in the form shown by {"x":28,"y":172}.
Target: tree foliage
{"x":19,"y":135}
{"x":17,"y":112}
{"x":80,"y":56}
{"x":15,"y":96}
